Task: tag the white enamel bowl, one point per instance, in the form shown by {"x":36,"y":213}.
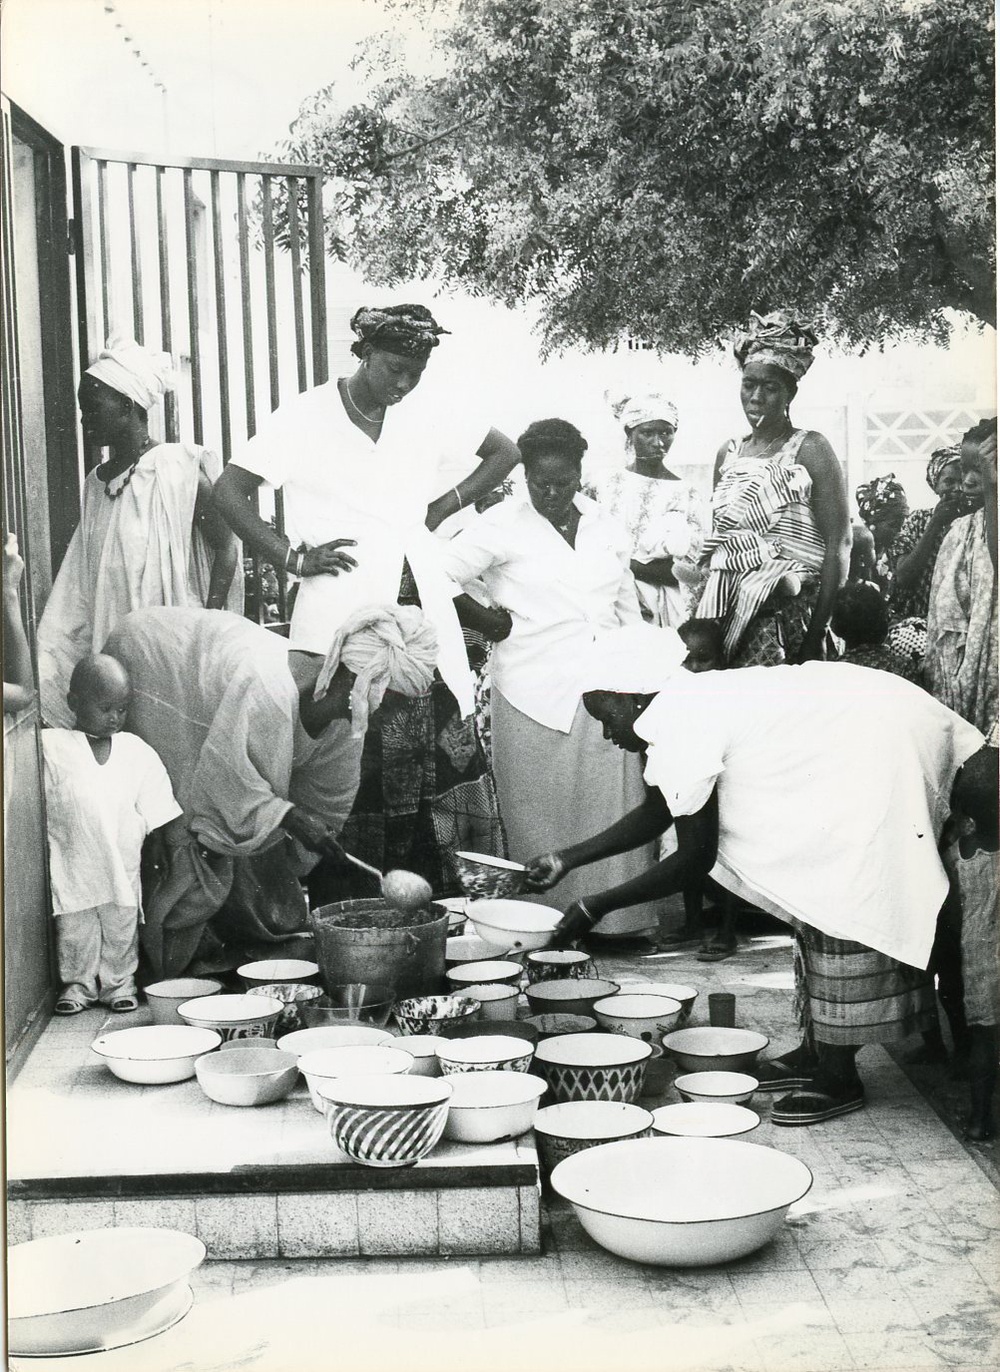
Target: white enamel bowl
{"x":486,"y":1107}
{"x":163,"y":997}
{"x":154,"y":1054}
{"x":423,"y":1049}
{"x":704,"y":1120}
{"x":334,"y":1036}
{"x":464,"y":948}
{"x":593,"y":1066}
{"x":733,"y":1088}
{"x":498,"y":1001}
{"x":642,"y":1016}
{"x":485,"y":1053}
{"x":277,"y":969}
{"x":247,"y":1076}
{"x":97,"y":1289}
{"x":711,"y":1049}
{"x":562,"y":1130}
{"x":386,"y":1121}
{"x":234,"y":1017}
{"x":675,"y":990}
{"x":499,"y":971}
{"x":681,"y":1202}
{"x":514,"y":925}
{"x":330,"y":1064}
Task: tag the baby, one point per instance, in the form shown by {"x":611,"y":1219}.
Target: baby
{"x":861,"y":618}
{"x":105,"y":791}
{"x":703,"y":639}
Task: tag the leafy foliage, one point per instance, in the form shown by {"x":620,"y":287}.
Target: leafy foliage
{"x":657,"y":169}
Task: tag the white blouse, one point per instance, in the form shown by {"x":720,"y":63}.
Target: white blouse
{"x":559,"y":598}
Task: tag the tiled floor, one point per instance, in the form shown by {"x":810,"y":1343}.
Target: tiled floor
{"x":892,"y":1262}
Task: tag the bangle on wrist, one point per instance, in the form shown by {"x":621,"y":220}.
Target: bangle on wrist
{"x":458,"y":498}
{"x":294,"y":559}
{"x":583,"y":908}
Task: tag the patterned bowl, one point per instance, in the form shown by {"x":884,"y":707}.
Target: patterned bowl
{"x":486,"y":1053}
{"x":428,"y":1014}
{"x":292,"y":994}
{"x":502,"y":971}
{"x":325,"y":1066}
{"x":351,"y":1002}
{"x":709,"y":1048}
{"x":562,"y":1130}
{"x":642,"y":1016}
{"x":233,"y":1017}
{"x":277,"y":969}
{"x":704,"y":1120}
{"x":675,"y":990}
{"x":384,"y":1121}
{"x":572,"y":996}
{"x":558,"y":964}
{"x":593,"y":1066}
{"x":486,"y":1107}
{"x":482,"y":876}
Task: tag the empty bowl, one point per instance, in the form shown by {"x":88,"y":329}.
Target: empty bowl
{"x":428,"y":1014}
{"x":293,"y":995}
{"x":687,"y":995}
{"x":642,"y":1016}
{"x":711,"y":1049}
{"x":681,"y":1202}
{"x":485,"y":1053}
{"x":351,"y":1002}
{"x":277,"y":969}
{"x":386,"y":1121}
{"x":592,"y":1066}
{"x":515,"y":925}
{"x":732,"y":1088}
{"x":247,"y":1076}
{"x":558,"y":964}
{"x":486,"y":1107}
{"x":503,"y":971}
{"x":237,"y":1045}
{"x":233,"y":1017}
{"x":499,"y":1002}
{"x":570,"y":1127}
{"x":325,"y":1065}
{"x":163,"y":997}
{"x":572,"y":996}
{"x":334,"y":1036}
{"x":469,"y":948}
{"x":154,"y":1054}
{"x":423,"y":1049}
{"x":704,"y":1120}
{"x":480,"y":875}
{"x":549,"y":1026}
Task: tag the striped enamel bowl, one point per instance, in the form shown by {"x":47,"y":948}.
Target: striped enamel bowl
{"x":384,"y":1121}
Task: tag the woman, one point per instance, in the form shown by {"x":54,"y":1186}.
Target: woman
{"x":750,"y":765}
{"x":780,"y":541}
{"x":883,"y":508}
{"x":916,"y":545}
{"x":148,"y":534}
{"x":663,"y":515}
{"x":559,"y":567}
{"x":962,"y":616}
{"x":263,"y":749}
{"x":358,"y":475}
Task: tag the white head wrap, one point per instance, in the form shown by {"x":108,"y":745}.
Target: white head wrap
{"x":388,"y":647}
{"x":635,"y":660}
{"x":133,"y":370}
{"x":645,"y":409}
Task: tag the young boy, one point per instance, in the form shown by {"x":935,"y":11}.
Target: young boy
{"x":105,"y":791}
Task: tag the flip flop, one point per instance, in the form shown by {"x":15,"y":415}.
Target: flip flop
{"x":815,"y":1105}
{"x":714,"y":954}
{"x":70,"y":1007}
{"x":124,"y":1005}
{"x":775,"y":1075}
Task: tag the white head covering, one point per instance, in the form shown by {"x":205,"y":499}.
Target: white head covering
{"x":132,"y":370}
{"x":638,"y":659}
{"x":644,"y":409}
{"x":389,"y":647}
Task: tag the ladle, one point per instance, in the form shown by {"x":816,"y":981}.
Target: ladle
{"x":404,"y":891}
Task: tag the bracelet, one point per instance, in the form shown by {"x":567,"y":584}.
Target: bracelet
{"x":458,"y":498}
{"x":294,"y":559}
{"x":593,"y":918}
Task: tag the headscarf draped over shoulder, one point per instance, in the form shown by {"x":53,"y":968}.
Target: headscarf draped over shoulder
{"x":135,"y":371}
{"x":942,"y":458}
{"x":645,"y":409}
{"x":389,"y":648}
{"x":409,"y":330}
{"x":873,"y":496}
{"x":778,"y":339}
{"x":637,"y":659}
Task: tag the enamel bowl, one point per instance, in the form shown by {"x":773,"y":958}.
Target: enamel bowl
{"x":477,"y":1027}
{"x":350,"y":1002}
{"x":293,"y":996}
{"x":732,"y":1088}
{"x":481,"y":875}
{"x":642,"y":1016}
{"x":386,"y":1121}
{"x":334,"y":1036}
{"x":572,"y":996}
{"x":277,"y":969}
{"x":469,"y":948}
{"x":485,"y":1053}
{"x":568,"y":1128}
{"x":486,"y":1107}
{"x":423,"y":1049}
{"x":154,"y":1054}
{"x":515,"y":925}
{"x":163,"y":997}
{"x":428,"y":1014}
{"x":712,"y":1049}
{"x":501,"y":971}
{"x":247,"y":1076}
{"x":675,"y":990}
{"x":681,"y":1202}
{"x":499,"y":1002}
{"x":234,"y":1017}
{"x":593,"y":1066}
{"x":325,"y":1065}
{"x":558,"y":964}
{"x":704,"y":1120}
{"x":549,"y":1026}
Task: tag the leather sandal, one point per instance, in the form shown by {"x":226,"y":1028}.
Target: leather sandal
{"x":816,"y":1104}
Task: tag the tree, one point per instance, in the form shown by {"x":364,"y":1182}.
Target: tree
{"x":658,"y":168}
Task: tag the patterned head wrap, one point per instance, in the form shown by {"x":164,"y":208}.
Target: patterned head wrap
{"x":388,"y":647}
{"x":942,"y":458}
{"x":645,"y":409}
{"x":637,"y":659}
{"x":873,"y":496}
{"x":134,"y":371}
{"x":778,"y":339}
{"x":409,"y":330}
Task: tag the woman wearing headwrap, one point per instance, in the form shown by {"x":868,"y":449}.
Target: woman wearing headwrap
{"x":916,"y":546}
{"x":665,"y":517}
{"x":780,"y":541}
{"x":883,"y":508}
{"x":263,"y":748}
{"x":148,"y":534}
{"x":358,"y":473}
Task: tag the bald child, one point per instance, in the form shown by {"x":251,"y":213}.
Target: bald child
{"x":105,"y":791}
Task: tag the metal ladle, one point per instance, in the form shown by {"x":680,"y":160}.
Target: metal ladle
{"x":404,"y":891}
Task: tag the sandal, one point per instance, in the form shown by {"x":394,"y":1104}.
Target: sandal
{"x":815,"y":1104}
{"x":715,"y":952}
{"x":70,"y":1007}
{"x":124,"y":1005}
{"x":778,"y":1074}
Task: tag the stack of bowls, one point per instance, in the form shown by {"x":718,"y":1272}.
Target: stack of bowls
{"x":233,"y":1017}
{"x":163,"y":997}
{"x":325,"y":1065}
{"x":593,"y":1066}
{"x":570,"y":996}
{"x":386,"y":1121}
{"x":485,"y":1053}
{"x":488,"y":1107}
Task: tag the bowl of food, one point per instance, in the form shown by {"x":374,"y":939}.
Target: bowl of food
{"x":550,"y":1026}
{"x":704,"y":1120}
{"x":481,"y":875}
{"x":681,"y":1202}
{"x":499,"y":970}
{"x":476,"y":1027}
{"x":350,"y":1002}
{"x":386,"y":1121}
{"x":709,"y":1048}
{"x":334,"y":1036}
{"x":570,"y":1127}
{"x":593,"y":1066}
{"x":487,"y":1107}
{"x":516,"y":925}
{"x":674,"y":990}
{"x":499,"y":1001}
{"x":558,"y":964}
{"x":423,"y":1049}
{"x":277,"y":969}
{"x":430,"y":1014}
{"x":572,"y":996}
{"x":730,"y":1088}
{"x":247,"y":1076}
{"x":324,"y":1065}
{"x":234,"y":1017}
{"x":469,"y":948}
{"x":163,"y":997}
{"x":642,"y":1016}
{"x":293,"y":996}
{"x":155,"y":1054}
{"x":486,"y":1053}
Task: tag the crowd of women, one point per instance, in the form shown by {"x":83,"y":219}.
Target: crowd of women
{"x":278,"y":757}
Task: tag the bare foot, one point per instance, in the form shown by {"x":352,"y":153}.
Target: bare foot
{"x":664,"y":942}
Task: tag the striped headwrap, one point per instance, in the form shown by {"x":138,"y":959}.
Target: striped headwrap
{"x":941,"y":458}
